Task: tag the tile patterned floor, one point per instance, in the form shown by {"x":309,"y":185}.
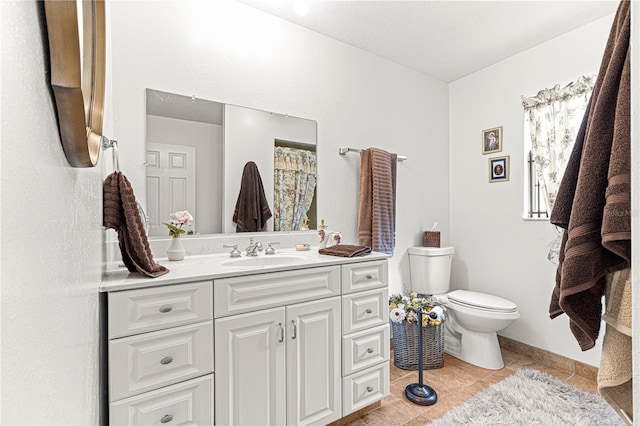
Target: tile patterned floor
{"x":455,"y":383}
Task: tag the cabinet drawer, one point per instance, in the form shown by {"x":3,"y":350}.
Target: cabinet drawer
{"x":185,"y":403}
{"x":247,"y":294}
{"x":365,"y":388}
{"x":149,"y":361}
{"x":148,"y":309}
{"x":364,"y":310}
{"x":365,"y":349}
{"x":364,"y":276}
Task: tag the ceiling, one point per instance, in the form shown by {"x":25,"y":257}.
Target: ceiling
{"x":444,"y":39}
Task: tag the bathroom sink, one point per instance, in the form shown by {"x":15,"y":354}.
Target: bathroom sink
{"x":264,"y":261}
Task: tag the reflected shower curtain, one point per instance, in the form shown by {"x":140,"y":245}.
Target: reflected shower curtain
{"x":294,"y":185}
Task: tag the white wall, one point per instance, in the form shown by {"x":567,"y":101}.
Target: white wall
{"x":228,"y":52}
{"x":207,"y":140}
{"x":51,"y":244}
{"x":496,"y":250}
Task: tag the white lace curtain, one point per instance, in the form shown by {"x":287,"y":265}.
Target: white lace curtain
{"x":294,"y":185}
{"x":552,"y":119}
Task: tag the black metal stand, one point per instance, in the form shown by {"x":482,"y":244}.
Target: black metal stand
{"x":419,"y":393}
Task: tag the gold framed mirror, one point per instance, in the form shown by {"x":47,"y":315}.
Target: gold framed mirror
{"x":78,"y":75}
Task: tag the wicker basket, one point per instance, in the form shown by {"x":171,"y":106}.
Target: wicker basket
{"x":432,"y":239}
{"x":405,"y":343}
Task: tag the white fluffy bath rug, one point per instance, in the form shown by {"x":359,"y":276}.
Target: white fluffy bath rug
{"x":530,"y":397}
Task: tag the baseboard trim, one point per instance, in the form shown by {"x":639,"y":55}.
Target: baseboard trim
{"x":550,"y":359}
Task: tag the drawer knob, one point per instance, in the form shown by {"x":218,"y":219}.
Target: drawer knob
{"x":369,"y":389}
{"x":369,"y":277}
{"x":369,"y":351}
{"x":166,"y":418}
{"x":368,"y":311}
{"x":166,"y":360}
{"x":165,"y":309}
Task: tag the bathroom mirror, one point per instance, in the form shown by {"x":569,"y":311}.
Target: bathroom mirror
{"x":76,"y":31}
{"x":196,"y":150}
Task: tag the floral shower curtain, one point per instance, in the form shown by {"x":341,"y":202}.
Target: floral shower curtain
{"x":294,"y":185}
{"x":552,"y":119}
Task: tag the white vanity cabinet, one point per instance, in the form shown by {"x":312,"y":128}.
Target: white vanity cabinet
{"x":160,"y":352}
{"x":365,"y":334}
{"x":280,"y":365}
{"x":294,"y":346}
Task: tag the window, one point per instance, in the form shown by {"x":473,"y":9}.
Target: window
{"x":536,"y":205}
{"x":551,"y":122}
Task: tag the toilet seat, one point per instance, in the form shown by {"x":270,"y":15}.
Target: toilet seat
{"x":481,"y":301}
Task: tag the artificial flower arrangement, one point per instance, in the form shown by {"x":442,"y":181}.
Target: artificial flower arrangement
{"x":405,"y":309}
{"x":178,"y":220}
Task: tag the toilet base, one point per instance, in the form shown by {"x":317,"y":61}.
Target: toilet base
{"x":481,"y":349}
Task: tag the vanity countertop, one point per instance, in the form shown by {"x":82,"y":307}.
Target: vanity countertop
{"x":208,"y":267}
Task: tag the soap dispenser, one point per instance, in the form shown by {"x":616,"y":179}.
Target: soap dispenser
{"x":323,"y":234}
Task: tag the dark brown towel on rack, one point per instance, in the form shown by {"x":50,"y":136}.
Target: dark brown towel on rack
{"x":252,"y":209}
{"x":377,"y":202}
{"x":120,"y":212}
{"x":593,"y":203}
{"x":346,"y":250}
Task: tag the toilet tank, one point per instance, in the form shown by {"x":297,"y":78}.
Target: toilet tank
{"x":430,"y":269}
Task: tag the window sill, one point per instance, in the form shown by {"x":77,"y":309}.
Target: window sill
{"x":535,"y":219}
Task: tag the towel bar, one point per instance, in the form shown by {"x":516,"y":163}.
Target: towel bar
{"x":343,"y":151}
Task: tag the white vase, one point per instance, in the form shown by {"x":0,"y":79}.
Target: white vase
{"x":175,"y":251}
{"x":334,"y":239}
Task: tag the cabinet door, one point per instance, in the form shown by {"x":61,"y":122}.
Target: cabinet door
{"x":314,"y":362}
{"x":250,"y":368}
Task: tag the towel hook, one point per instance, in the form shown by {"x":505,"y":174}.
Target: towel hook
{"x":111,"y":143}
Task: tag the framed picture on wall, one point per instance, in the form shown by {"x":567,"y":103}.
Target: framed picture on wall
{"x":492,"y":140}
{"x":499,"y":169}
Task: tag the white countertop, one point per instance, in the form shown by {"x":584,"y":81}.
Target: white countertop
{"x":208,"y":267}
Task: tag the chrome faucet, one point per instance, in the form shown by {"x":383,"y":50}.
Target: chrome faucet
{"x":253,"y":249}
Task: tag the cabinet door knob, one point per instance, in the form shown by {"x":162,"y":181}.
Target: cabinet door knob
{"x":369,"y":351}
{"x":369,"y":277}
{"x":166,"y":418}
{"x":165,"y":308}
{"x":369,"y":389}
{"x":295,"y":329}
{"x":368,"y":311}
{"x":166,"y":360}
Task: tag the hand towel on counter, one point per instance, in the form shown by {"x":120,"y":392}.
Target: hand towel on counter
{"x":377,"y":202}
{"x":252,"y":209}
{"x":615,"y":375}
{"x":120,"y":212}
{"x":593,"y":203}
{"x":345,"y":250}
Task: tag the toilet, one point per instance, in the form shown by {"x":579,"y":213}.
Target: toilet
{"x":473,"y":318}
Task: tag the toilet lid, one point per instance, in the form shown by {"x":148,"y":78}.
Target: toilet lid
{"x":482,"y":301}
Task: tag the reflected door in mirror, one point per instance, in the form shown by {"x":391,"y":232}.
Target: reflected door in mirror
{"x":171,"y":184}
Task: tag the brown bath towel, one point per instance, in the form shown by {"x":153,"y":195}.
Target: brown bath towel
{"x":377,"y":203}
{"x":252,"y":209}
{"x":120,"y":212}
{"x":346,"y":250}
{"x":593,"y":203}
